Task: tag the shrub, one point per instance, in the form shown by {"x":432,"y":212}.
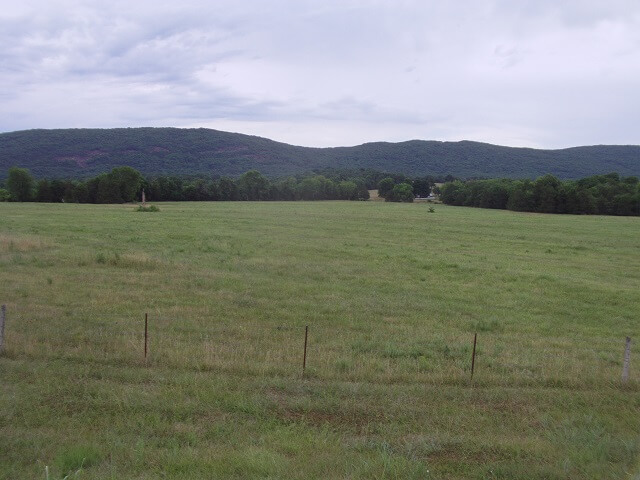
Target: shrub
{"x":150,"y":208}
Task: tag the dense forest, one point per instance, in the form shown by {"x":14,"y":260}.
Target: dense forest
{"x":608,"y":194}
{"x":86,"y":153}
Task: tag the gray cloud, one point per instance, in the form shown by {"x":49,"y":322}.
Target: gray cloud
{"x":537,"y":73}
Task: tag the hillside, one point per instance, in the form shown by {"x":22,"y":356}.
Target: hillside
{"x":78,"y":153}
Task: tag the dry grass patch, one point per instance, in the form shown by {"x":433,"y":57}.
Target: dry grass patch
{"x":11,"y":243}
{"x":137,"y":261}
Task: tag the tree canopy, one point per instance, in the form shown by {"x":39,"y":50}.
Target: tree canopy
{"x":402,"y":192}
{"x":607,"y":194}
{"x":20,"y":184}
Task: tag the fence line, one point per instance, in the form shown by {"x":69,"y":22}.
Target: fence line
{"x":350,"y":352}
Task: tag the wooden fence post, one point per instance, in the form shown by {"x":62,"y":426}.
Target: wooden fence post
{"x":627,"y":360}
{"x":3,"y":316}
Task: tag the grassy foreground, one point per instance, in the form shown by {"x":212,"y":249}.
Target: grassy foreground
{"x":392,"y":295}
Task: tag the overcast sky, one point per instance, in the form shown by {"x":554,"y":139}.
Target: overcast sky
{"x":539,"y":73}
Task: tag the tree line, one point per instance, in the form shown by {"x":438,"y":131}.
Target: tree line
{"x":125,"y":184}
{"x":608,"y":194}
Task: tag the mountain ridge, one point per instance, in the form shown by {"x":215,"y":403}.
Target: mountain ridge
{"x":82,"y":153}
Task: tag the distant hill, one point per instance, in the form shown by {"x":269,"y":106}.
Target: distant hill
{"x":81,"y":153}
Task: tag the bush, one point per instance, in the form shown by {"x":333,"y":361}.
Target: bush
{"x":144,"y":208}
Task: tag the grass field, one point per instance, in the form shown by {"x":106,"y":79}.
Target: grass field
{"x":392,"y":295}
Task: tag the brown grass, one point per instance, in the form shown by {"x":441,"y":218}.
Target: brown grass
{"x":10,"y":243}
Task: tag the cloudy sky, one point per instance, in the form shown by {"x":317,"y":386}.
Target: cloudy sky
{"x":540,"y":73}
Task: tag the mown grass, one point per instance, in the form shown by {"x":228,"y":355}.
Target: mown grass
{"x":392,"y":294}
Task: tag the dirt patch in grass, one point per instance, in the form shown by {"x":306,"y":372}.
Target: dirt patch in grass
{"x":346,"y":419}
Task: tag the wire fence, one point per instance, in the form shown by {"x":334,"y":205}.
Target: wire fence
{"x":373,"y":353}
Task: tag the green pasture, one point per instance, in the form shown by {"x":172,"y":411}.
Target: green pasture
{"x":392,"y":294}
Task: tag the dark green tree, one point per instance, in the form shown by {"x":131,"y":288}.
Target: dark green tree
{"x":317,"y":187}
{"x":165,"y":189}
{"x":385,"y":186}
{"x":521,"y":198}
{"x":20,"y":184}
{"x":545,"y":194}
{"x":454,"y":193}
{"x":402,"y":192}
{"x":75,"y":192}
{"x":92,"y":189}
{"x":347,"y":190}
{"x":108,"y":190}
{"x":362,"y":192}
{"x":43,"y":191}
{"x":58,"y":189}
{"x":128,"y":181}
{"x":495,"y":194}
{"x":253,"y":186}
{"x":120,"y":185}
{"x":422,"y":186}
{"x":286,"y":189}
{"x":228,"y":189}
{"x":309,"y":189}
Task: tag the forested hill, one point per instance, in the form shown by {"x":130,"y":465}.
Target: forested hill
{"x":81,"y":153}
